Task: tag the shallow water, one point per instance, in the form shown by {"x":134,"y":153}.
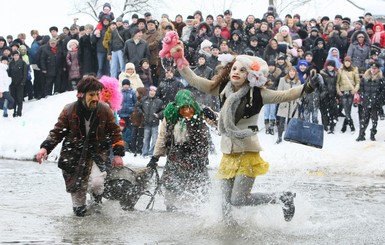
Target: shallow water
{"x":330,"y":209}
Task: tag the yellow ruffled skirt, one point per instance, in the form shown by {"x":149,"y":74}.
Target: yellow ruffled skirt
{"x":249,"y":164}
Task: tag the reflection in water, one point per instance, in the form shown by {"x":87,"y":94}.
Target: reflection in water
{"x":331,"y":209}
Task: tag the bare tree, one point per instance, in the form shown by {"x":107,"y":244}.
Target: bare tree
{"x":288,"y":6}
{"x":92,"y":8}
{"x":283,"y":6}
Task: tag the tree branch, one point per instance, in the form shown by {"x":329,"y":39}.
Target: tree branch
{"x":355,"y":5}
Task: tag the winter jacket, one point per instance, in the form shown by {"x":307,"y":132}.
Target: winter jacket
{"x":149,"y":106}
{"x":347,"y":80}
{"x":73,"y":65}
{"x":319,"y":54}
{"x":359,"y":53}
{"x":87,"y":55}
{"x":153,"y":38}
{"x":71,"y":128}
{"x":52,"y":63}
{"x":18,"y":71}
{"x":372,"y":90}
{"x":128,"y":102}
{"x":98,"y":41}
{"x":286,"y":109}
{"x":134,"y":78}
{"x":134,"y":53}
{"x":328,"y":85}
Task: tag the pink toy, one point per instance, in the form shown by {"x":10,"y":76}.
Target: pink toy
{"x":169,"y":41}
{"x":111,"y":93}
{"x":173,"y":48}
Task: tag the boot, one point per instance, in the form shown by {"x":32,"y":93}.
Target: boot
{"x":80,"y":211}
{"x":331,"y":129}
{"x":352,"y":128}
{"x":361,"y":136}
{"x":267,"y":127}
{"x":288,"y":208}
{"x":372,"y":134}
{"x":96,"y":204}
{"x":271,"y":129}
{"x":345,"y":123}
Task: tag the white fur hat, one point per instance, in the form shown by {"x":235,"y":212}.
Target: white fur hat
{"x":249,"y":62}
{"x":283,"y":28}
{"x":206,"y":43}
{"x":70,"y":42}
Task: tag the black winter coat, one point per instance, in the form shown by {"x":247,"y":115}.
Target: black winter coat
{"x":134,"y":53}
{"x":149,"y":106}
{"x":87,"y":55}
{"x":18,"y":72}
{"x":50,"y":62}
{"x":372,"y":89}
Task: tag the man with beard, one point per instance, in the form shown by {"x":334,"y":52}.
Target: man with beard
{"x":88,"y":128}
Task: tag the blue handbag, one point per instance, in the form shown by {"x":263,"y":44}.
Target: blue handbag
{"x":306,"y":133}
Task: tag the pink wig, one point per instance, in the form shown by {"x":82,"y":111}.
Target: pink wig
{"x":111,"y":93}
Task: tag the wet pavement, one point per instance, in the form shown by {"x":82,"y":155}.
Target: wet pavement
{"x":330,"y":209}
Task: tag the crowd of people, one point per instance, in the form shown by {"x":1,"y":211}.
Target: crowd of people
{"x":342,"y":60}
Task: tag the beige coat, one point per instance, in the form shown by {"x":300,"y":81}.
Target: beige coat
{"x":285,"y":109}
{"x":134,"y":78}
{"x":343,"y":78}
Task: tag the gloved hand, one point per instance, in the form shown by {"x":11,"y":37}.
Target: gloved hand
{"x":312,"y":84}
{"x":153,"y":162}
{"x":209,"y":113}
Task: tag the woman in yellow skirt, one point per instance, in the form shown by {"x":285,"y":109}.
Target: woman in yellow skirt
{"x":240,"y":86}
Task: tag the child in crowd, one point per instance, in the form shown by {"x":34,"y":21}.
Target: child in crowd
{"x":128,"y":103}
{"x":145,"y":73}
{"x":73,"y":63}
{"x":106,"y":12}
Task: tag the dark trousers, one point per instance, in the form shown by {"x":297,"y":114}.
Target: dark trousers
{"x":137,"y":139}
{"x":52,"y":82}
{"x":38,"y":88}
{"x":17,"y":92}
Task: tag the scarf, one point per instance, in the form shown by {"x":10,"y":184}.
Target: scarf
{"x":54,"y":50}
{"x":227,"y":114}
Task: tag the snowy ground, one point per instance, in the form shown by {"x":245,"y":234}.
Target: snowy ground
{"x":341,"y":154}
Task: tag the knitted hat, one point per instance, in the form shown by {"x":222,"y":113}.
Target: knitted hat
{"x":182,"y":98}
{"x":119,"y":19}
{"x":134,"y":16}
{"x":302,"y":62}
{"x":107,"y":5}
{"x":331,"y":63}
{"x":283,"y":28}
{"x":4,"y":58}
{"x":126,"y":82}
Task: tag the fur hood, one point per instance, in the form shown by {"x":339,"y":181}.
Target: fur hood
{"x":355,"y":34}
{"x":368,"y":75}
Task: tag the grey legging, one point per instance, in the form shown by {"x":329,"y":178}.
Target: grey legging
{"x":236,"y":192}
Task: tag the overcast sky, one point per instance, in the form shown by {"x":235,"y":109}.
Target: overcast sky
{"x":41,"y":14}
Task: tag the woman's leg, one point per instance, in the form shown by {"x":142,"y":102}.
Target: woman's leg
{"x":241,"y":193}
